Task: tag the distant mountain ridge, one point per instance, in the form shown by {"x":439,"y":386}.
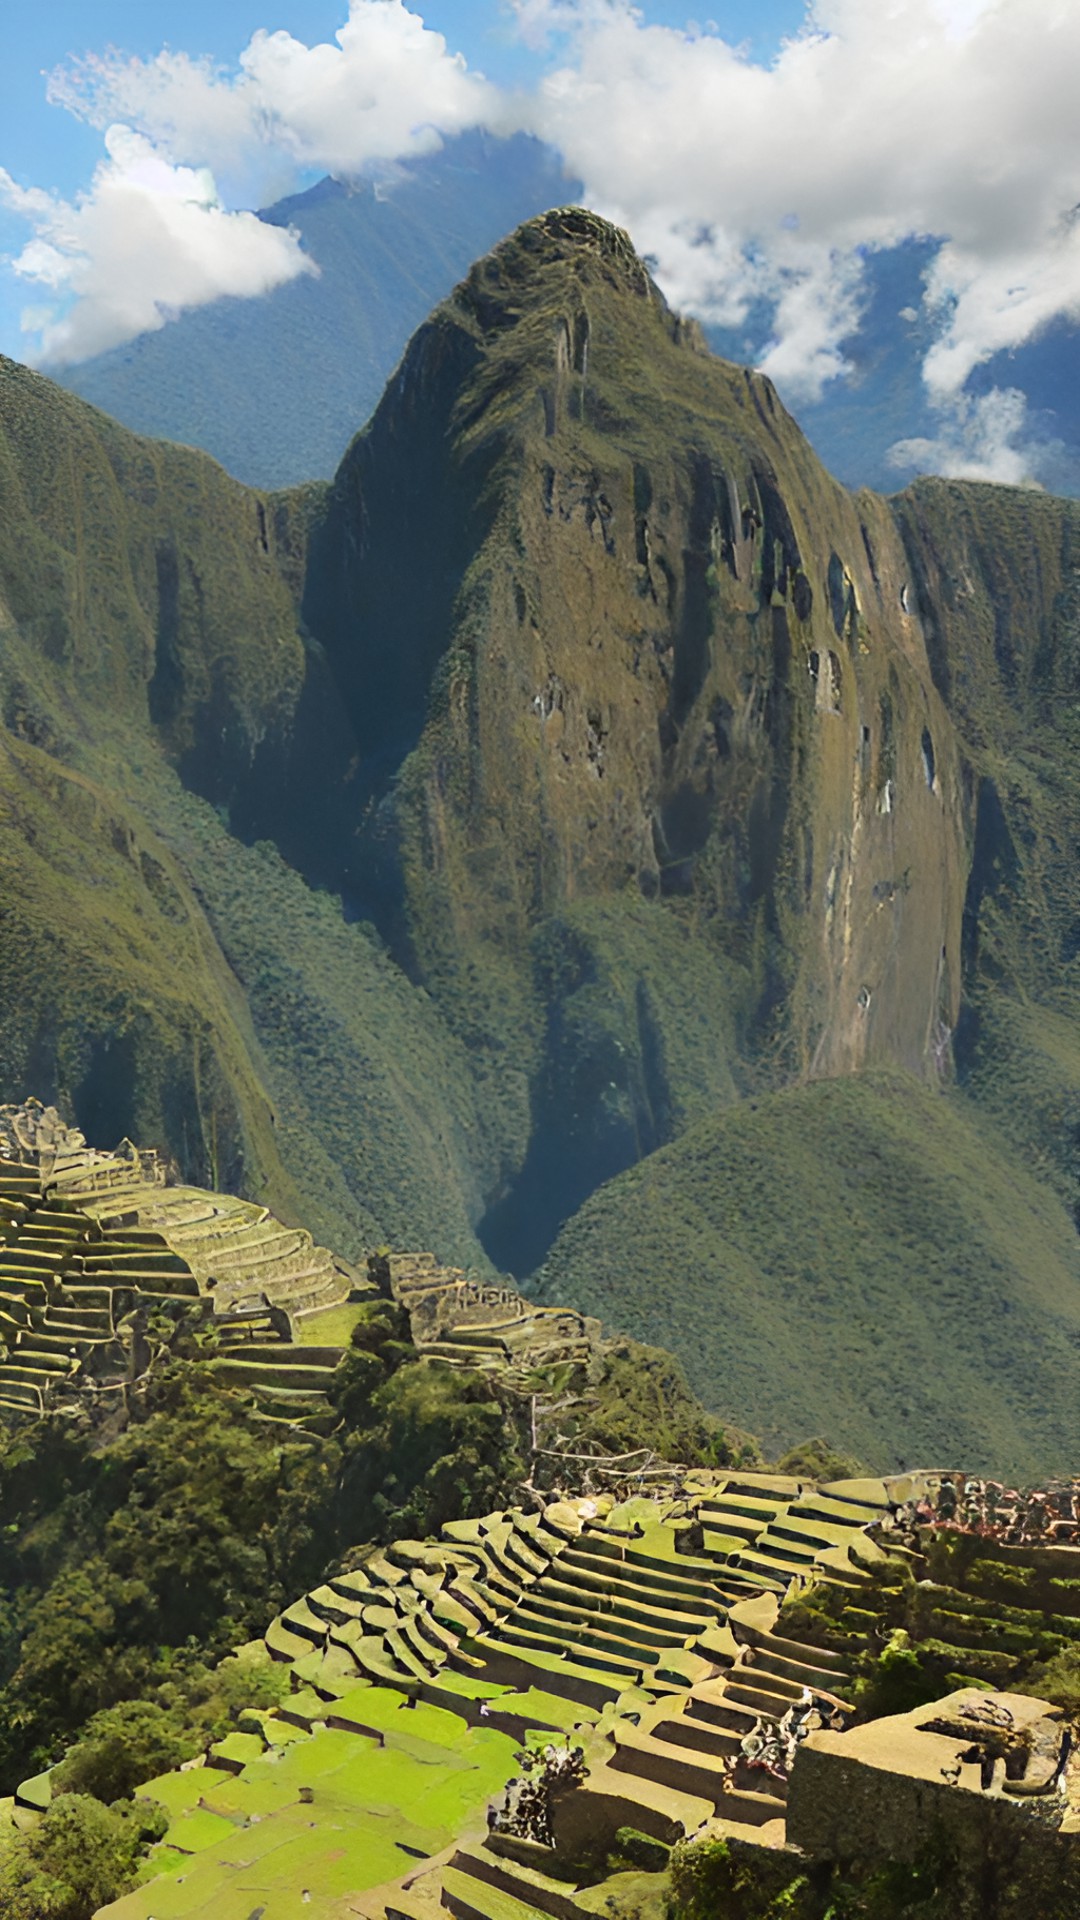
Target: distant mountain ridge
{"x":276,"y":387}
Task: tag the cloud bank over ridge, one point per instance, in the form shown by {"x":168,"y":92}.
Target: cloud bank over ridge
{"x":754,"y":189}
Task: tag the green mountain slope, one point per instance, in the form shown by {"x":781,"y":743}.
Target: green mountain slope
{"x":858,"y":1254}
{"x":155,"y":969}
{"x":581,"y":766}
{"x":997,"y":572}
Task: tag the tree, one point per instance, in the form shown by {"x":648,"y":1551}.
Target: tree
{"x":122,"y":1747}
{"x":78,"y":1858}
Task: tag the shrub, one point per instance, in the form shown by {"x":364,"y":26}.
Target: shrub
{"x":121,"y":1747}
{"x":79,"y":1857}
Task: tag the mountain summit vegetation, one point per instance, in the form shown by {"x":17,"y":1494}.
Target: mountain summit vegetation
{"x":582,"y":838}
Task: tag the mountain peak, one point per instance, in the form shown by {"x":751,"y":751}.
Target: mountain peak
{"x":572,"y":232}
{"x":586,"y":248}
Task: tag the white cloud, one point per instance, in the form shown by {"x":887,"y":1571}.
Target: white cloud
{"x":152,"y":236}
{"x":947,"y":119}
{"x":387,"y":88}
{"x":982,"y":437}
{"x":147,"y":240}
{"x":752,"y":188}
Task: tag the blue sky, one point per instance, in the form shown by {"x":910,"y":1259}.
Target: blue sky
{"x":44,"y":146}
{"x":760,"y":157}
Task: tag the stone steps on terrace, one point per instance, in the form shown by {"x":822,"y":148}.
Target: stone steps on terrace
{"x":38,"y":1352}
{"x":572,"y":1626}
{"x":670,"y":1764}
{"x":523,"y":1667}
{"x":679,"y":1624}
{"x":488,"y":1338}
{"x":23,"y":1395}
{"x":650,"y":1807}
{"x":270,"y":1260}
{"x":820,"y":1506}
{"x":625,"y":1665}
{"x":282,"y":1353}
{"x":760,"y":1575}
{"x":55,"y":1246}
{"x":801,"y":1672}
{"x":722,"y":1508}
{"x":78,"y":1290}
{"x":451,"y":1353}
{"x":767,"y":1694}
{"x":539,"y":1891}
{"x":587,"y":1579}
{"x":292,"y":1405}
{"x":468,"y":1898}
{"x":34,"y":1262}
{"x":92,"y":1320}
{"x":659,"y":1633}
{"x":34,"y":1368}
{"x":697,"y":1735}
{"x":158,"y":1282}
{"x":663,"y":1578}
{"x":21,"y":1306}
{"x":266,"y":1374}
{"x":497,"y":1588}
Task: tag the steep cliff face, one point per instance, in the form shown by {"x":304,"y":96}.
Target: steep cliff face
{"x":150,"y":581}
{"x":996,"y":573}
{"x":158,"y":977}
{"x":605,"y":629}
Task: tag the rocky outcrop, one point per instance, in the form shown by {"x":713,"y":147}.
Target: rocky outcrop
{"x":652,"y":648}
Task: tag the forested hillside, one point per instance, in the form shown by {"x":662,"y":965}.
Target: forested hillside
{"x":581,"y":788}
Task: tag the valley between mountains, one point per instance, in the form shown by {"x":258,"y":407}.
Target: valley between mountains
{"x":580,"y":838}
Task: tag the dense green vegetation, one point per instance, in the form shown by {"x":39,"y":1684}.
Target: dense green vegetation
{"x":525,"y":904}
{"x":973,"y":1621}
{"x":995,"y":571}
{"x":132,"y":1561}
{"x":80,"y":1856}
{"x":126,"y":1575}
{"x":864,"y":1244}
{"x":713,"y":1881}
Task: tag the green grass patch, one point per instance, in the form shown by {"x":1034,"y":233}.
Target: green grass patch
{"x":929,"y":1294}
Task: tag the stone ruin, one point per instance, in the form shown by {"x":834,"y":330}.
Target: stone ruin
{"x":35,"y":1136}
{"x":105,"y":1262}
{"x":635,"y":1661}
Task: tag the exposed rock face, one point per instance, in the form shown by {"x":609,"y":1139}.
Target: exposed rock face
{"x":651,"y":647}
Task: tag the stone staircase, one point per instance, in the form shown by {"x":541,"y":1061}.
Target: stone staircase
{"x":469,"y":1322}
{"x":644,"y":1631}
{"x":94,"y":1246}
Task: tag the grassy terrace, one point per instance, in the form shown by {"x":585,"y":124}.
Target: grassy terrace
{"x":415,"y":1676}
{"x":87,"y":1237}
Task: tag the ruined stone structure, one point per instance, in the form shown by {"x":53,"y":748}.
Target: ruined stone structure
{"x":648,"y":1634}
{"x":990,"y":1776}
{"x":463,"y":1318}
{"x":101,"y":1257}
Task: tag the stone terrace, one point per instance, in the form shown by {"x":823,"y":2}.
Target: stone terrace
{"x":95,"y":1247}
{"x":637,"y":1629}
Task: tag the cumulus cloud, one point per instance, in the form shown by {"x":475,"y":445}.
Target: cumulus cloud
{"x":147,"y":240}
{"x":753,"y":189}
{"x":943,"y":119}
{"x":388,"y":88}
{"x":982,"y":437}
{"x":152,"y":236}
